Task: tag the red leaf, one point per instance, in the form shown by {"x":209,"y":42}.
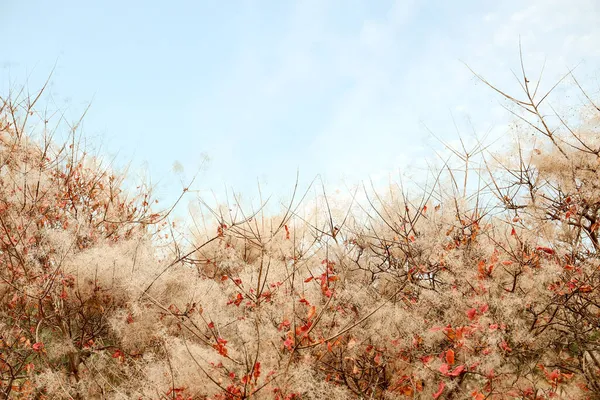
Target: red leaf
{"x":444,"y":369}
{"x":377,"y":359}
{"x":310,"y":278}
{"x":457,"y":371}
{"x":39,"y":346}
{"x":118,"y":354}
{"x":441,"y":387}
{"x":505,"y":347}
{"x":284,"y":324}
{"x":471,"y":313}
{"x":546,"y":250}
{"x":220,"y":347}
{"x":288,"y":343}
{"x":176,"y":391}
{"x":238,"y":299}
{"x":256,"y":372}
{"x":552,"y":376}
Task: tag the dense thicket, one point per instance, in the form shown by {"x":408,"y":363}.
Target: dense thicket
{"x":484,"y":285}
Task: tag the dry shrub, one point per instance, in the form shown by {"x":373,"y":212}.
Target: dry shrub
{"x":458,"y":291}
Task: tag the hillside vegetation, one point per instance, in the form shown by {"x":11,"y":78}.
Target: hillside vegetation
{"x":483,"y":285}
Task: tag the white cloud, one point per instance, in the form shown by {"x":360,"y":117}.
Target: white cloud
{"x":388,"y":76}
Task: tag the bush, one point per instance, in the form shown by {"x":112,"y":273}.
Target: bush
{"x":484,"y":293}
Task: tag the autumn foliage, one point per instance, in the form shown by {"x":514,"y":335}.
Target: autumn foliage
{"x":482,"y":285}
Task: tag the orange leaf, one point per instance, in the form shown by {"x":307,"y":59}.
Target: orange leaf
{"x":450,"y":356}
{"x":311,"y":312}
{"x":477,"y":395}
{"x":586,"y":288}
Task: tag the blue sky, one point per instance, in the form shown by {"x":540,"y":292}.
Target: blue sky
{"x":346,"y":89}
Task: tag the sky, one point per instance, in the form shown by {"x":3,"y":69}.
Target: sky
{"x":251,"y":92}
